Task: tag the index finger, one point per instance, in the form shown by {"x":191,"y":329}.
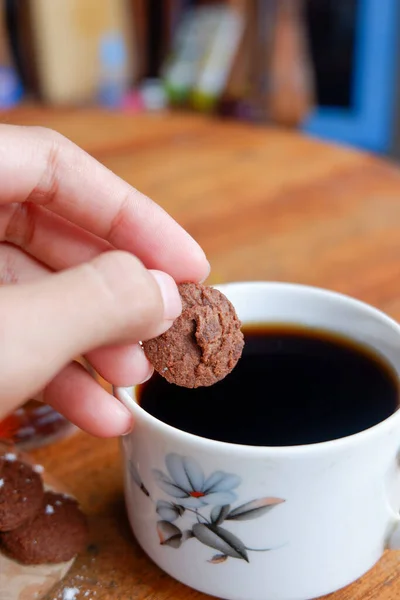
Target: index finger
{"x":43,"y":167}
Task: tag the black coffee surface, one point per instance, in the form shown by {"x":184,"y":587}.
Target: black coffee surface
{"x":292,"y":386}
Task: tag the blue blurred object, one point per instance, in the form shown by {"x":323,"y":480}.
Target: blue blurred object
{"x":11,"y":90}
{"x":369,"y":122}
{"x":113,"y":81}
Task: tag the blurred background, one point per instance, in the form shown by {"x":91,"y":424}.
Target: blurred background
{"x":326,"y":67}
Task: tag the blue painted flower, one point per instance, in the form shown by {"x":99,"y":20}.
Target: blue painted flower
{"x":186,"y":482}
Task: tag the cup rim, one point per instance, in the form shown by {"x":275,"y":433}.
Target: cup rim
{"x":123,"y":393}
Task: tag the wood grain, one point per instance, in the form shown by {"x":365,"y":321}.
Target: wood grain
{"x":265,"y":204}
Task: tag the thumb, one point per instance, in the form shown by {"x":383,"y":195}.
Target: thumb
{"x":46,"y":324}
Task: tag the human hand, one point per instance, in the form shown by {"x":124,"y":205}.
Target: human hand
{"x":95,"y":263}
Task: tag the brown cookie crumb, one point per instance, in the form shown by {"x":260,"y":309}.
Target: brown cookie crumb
{"x":205,"y":342}
{"x":56,"y":534}
{"x":21,"y":492}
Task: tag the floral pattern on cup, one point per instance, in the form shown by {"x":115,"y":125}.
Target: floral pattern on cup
{"x":208,"y":501}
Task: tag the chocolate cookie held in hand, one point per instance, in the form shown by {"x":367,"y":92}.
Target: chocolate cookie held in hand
{"x":204,"y":343}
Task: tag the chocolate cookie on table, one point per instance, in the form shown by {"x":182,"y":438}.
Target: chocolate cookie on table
{"x":205,"y":342}
{"x":55,"y":535}
{"x":21,"y":492}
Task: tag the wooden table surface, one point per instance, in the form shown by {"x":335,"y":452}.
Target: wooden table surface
{"x":264,"y":204}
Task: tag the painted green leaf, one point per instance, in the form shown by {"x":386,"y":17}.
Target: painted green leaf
{"x":169,"y":534}
{"x":220,"y":539}
{"x":253,"y":509}
{"x":187,"y":535}
{"x":219,"y":513}
{"x":137,"y":479}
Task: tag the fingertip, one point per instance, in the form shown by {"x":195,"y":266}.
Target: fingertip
{"x":198,"y":272}
{"x":121,"y":365}
{"x":206,"y":272}
{"x":195,"y":265}
{"x":203,"y":265}
{"x":170,"y":294}
{"x":85,"y":403}
{"x":122,"y":420}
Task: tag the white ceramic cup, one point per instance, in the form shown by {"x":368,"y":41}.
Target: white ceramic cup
{"x":326,"y":511}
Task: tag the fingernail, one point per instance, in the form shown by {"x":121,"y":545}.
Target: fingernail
{"x":170,"y":295}
{"x":126,"y":419}
{"x":208,"y":273}
{"x":128,"y":431}
{"x":147,"y":377}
